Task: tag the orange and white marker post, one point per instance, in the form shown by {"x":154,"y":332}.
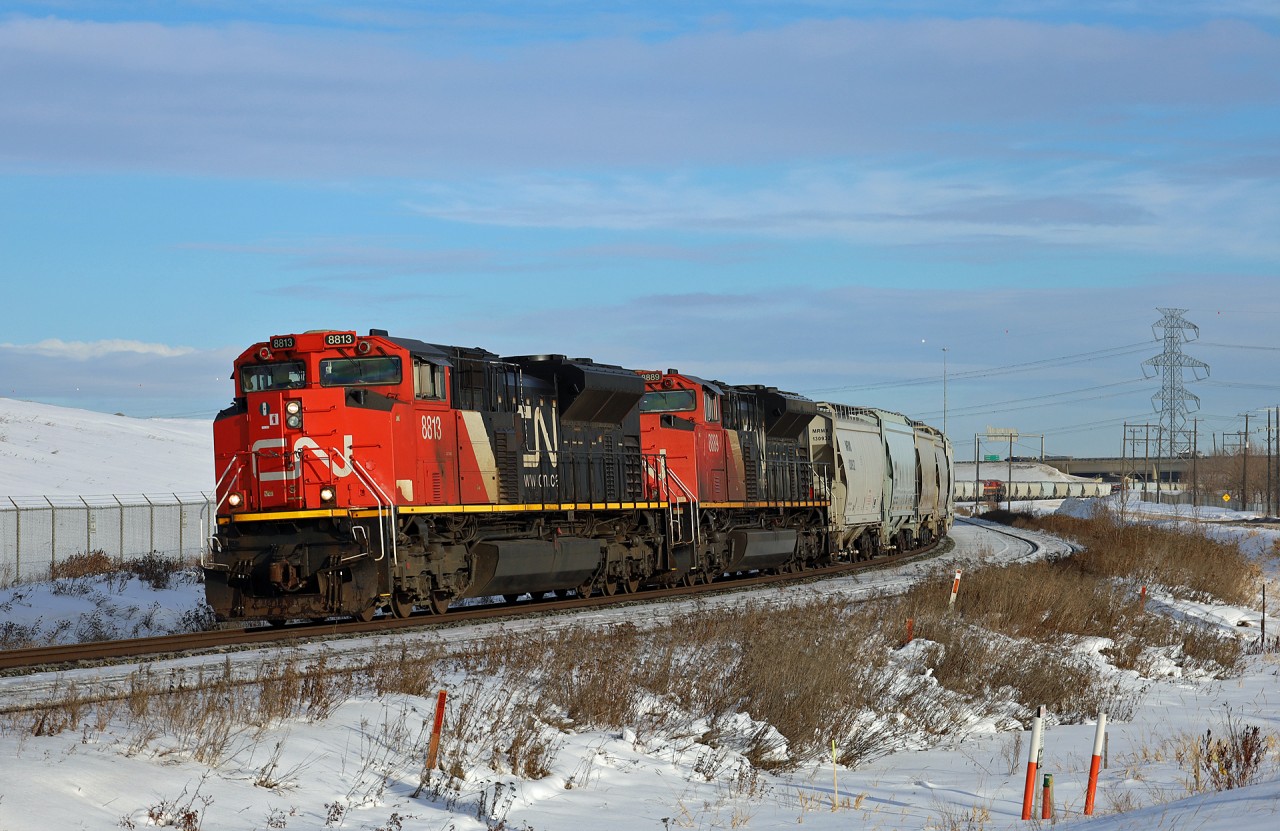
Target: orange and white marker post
{"x":434,"y":748}
{"x":911,"y":629}
{"x":1033,"y":761}
{"x":955,"y":589}
{"x":1046,"y":802}
{"x":1099,"y":736}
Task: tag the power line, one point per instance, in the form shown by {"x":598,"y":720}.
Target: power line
{"x":977,"y":409}
{"x":1064,"y":360}
{"x":1241,"y":346}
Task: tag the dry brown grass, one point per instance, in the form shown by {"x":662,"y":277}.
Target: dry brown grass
{"x":1184,"y":560}
{"x":87,"y":564}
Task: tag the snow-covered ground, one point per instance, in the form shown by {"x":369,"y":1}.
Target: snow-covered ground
{"x":57,"y":451}
{"x":358,"y":766}
{"x":98,"y":777}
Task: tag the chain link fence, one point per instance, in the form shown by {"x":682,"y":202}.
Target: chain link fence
{"x":37,"y":532}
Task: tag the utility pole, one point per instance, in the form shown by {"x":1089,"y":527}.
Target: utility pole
{"x":1244,"y":485}
{"x":1269,"y":462}
{"x":1008,"y":482}
{"x":1195,"y":453}
{"x":944,"y":390}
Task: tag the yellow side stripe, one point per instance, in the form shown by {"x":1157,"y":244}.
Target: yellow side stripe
{"x":363,"y":513}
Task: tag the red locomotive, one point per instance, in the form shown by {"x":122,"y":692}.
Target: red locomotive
{"x":366,"y":472}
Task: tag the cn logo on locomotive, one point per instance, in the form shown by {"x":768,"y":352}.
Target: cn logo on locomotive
{"x":544,"y":439}
{"x":340,"y":467}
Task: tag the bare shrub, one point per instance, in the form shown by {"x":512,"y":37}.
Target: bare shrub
{"x":153,"y":569}
{"x":1234,"y":759}
{"x":181,"y":813}
{"x":88,"y":564}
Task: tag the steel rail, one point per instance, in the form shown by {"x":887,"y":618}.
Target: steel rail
{"x":68,"y":656}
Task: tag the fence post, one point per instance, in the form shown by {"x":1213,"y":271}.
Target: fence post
{"x":1046,"y":802}
{"x":182,"y":515}
{"x":1095,"y":763}
{"x":88,"y":526}
{"x":121,"y":506}
{"x":53,"y":536}
{"x":1033,"y":761}
{"x":152,"y":514}
{"x":17,"y":517}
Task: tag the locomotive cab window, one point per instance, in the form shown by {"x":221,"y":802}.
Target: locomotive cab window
{"x":668,"y":401}
{"x":428,"y":380}
{"x":359,"y":372}
{"x":286,"y":375}
{"x":711,"y":405}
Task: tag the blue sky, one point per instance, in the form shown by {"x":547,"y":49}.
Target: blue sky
{"x":819,"y":196}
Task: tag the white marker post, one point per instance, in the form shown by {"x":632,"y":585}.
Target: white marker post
{"x":1033,"y":761}
{"x":955,"y":589}
{"x":1099,"y":737}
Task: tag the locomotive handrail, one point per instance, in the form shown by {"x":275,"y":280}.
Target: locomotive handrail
{"x":689,"y":497}
{"x":204,"y":509}
{"x":382,"y":499}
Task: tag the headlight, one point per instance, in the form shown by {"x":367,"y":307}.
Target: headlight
{"x":293,"y":407}
{"x":234,"y":500}
{"x":293,"y":421}
{"x":293,"y":414}
{"x":326,"y":494}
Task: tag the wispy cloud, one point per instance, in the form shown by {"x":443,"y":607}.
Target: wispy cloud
{"x":299,"y":101}
{"x":1088,"y":205}
{"x":90,"y":350}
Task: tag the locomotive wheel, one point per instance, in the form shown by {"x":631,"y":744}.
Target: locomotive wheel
{"x":438,"y":603}
{"x":609,"y":588}
{"x":401,"y":605}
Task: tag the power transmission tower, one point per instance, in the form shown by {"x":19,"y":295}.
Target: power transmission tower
{"x":1173,"y":438}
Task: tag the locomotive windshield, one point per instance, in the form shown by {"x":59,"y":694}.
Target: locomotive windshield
{"x":359,"y":372}
{"x":668,"y":401}
{"x":286,"y":375}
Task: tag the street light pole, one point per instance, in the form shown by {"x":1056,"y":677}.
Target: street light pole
{"x":944,"y":390}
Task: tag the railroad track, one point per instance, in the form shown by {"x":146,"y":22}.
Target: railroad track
{"x":73,"y":656}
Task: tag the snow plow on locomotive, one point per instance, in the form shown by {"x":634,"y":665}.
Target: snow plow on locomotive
{"x":359,"y":473}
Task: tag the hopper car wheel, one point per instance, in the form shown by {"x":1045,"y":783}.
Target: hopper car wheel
{"x":584,"y":591}
{"x":366,"y":614}
{"x":401,"y":605}
{"x":631,"y":586}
